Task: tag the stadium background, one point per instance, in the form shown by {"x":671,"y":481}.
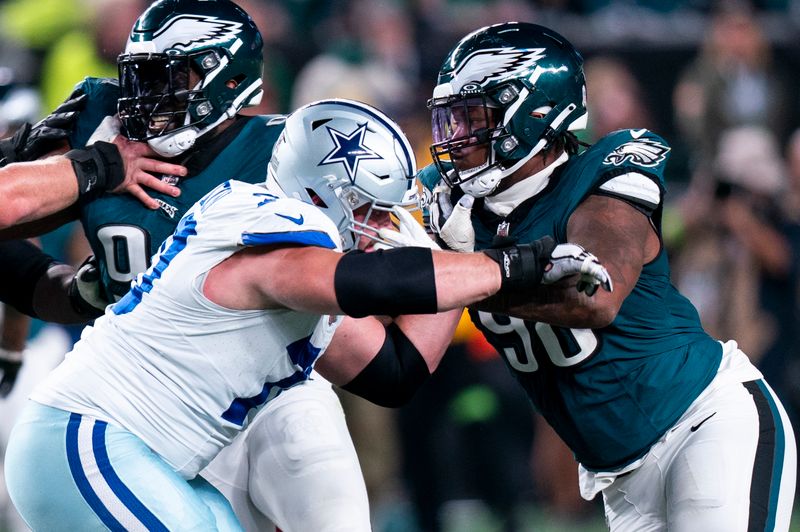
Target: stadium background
{"x":719,"y":80}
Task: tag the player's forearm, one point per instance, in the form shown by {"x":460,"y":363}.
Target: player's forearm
{"x":14,"y":329}
{"x":431,"y":334}
{"x":387,"y":364}
{"x":52,"y":300}
{"x":463,"y":279}
{"x":36,"y":189}
{"x":560,"y":304}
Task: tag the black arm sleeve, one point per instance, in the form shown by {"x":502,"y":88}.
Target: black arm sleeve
{"x":22,"y":265}
{"x":395,"y":374}
{"x":387,"y":282}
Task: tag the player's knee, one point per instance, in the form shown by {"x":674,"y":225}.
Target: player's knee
{"x":333,"y":515}
{"x":302,"y":437}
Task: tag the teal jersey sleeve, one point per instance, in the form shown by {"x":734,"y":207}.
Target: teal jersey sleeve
{"x":429,"y":176}
{"x":101,"y":101}
{"x":610,"y":393}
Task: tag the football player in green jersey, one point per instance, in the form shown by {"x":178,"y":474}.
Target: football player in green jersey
{"x":678,"y":430}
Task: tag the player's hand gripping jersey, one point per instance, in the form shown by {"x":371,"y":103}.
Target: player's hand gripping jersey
{"x":123,"y":233}
{"x":199,"y":371}
{"x":609,"y":393}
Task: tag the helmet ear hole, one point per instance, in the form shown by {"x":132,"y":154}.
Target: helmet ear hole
{"x":235,"y":81}
{"x":316,"y":199}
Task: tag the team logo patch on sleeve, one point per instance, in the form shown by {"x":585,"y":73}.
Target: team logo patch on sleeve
{"x":641,"y":152}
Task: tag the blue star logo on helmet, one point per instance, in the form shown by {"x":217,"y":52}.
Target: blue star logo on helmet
{"x":497,"y":63}
{"x":186,"y":32}
{"x":349,"y":150}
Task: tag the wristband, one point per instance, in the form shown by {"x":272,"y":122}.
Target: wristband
{"x":8,"y":355}
{"x":98,"y":167}
{"x":522,"y":265}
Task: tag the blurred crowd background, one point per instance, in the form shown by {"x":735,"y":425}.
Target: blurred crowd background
{"x":720,"y":81}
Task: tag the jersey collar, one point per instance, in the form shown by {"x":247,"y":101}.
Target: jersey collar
{"x":506,"y":201}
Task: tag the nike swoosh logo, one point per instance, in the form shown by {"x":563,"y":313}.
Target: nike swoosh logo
{"x":636,"y":133}
{"x":695,"y":427}
{"x":299,"y":220}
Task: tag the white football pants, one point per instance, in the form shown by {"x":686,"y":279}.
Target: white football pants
{"x":295,"y":465}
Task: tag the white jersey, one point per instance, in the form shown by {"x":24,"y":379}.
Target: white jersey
{"x":179,"y":371}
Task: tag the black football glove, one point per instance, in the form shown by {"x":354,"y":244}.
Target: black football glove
{"x":10,"y":362}
{"x":31,"y":142}
{"x":523,"y":265}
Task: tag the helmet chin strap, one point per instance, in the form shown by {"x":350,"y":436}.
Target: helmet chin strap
{"x":174,"y":144}
{"x":485,"y":182}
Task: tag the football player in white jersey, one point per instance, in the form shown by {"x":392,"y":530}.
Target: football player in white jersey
{"x":240,"y":304}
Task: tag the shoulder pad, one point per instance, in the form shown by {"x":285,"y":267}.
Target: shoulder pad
{"x":102,"y":95}
{"x":429,"y":176}
{"x":259,"y":217}
{"x":635,"y":188}
{"x":291,"y":221}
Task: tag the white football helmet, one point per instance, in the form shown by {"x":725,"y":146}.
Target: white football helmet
{"x":341,"y":155}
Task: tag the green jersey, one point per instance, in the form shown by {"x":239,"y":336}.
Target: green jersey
{"x":610,"y":393}
{"x":123,"y":233}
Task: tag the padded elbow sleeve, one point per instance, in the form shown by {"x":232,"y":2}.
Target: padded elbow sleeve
{"x":21,"y":268}
{"x":394,"y":375}
{"x":387,"y":282}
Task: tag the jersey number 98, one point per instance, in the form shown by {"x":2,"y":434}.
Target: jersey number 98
{"x":518,"y":339}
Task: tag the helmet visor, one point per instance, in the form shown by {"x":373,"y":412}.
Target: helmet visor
{"x":463,"y":130}
{"x":154,"y":93}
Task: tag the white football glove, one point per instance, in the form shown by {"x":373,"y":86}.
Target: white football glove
{"x":452,"y":223}
{"x":408,"y":233}
{"x":571,"y":259}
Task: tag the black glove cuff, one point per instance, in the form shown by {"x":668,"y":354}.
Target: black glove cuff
{"x":11,"y":147}
{"x":522,"y":265}
{"x":98,"y":167}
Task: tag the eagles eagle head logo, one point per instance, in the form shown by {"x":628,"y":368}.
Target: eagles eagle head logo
{"x":642,"y":152}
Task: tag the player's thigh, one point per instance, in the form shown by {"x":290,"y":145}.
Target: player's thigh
{"x":70,"y":472}
{"x":304,"y":471}
{"x":736,"y":469}
{"x":635,"y":501}
{"x":229,"y":472}
{"x":215,"y":501}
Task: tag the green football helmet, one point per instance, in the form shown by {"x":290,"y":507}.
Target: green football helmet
{"x":511,"y":89}
{"x":160,"y":100}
